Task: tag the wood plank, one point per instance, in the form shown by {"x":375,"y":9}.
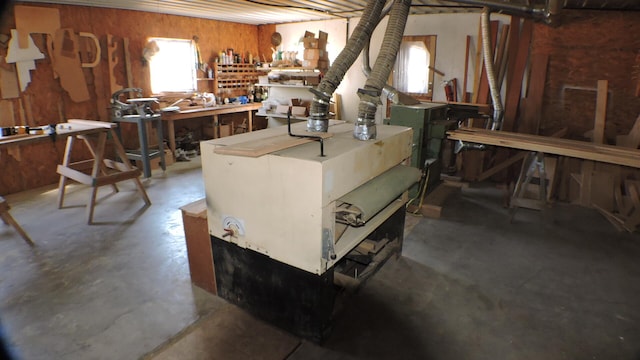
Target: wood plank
{"x":127,"y":63}
{"x":632,"y":140}
{"x":565,"y":147}
{"x":568,"y":143}
{"x":502,"y":70}
{"x":501,"y":48}
{"x":102,"y":98}
{"x":515,"y":71}
{"x":29,"y":110}
{"x":466,"y":69}
{"x":616,"y":221}
{"x":632,"y":192}
{"x":92,"y":123}
{"x":35,"y":19}
{"x":530,"y":122}
{"x":198,"y":241}
{"x":632,"y":222}
{"x":6,"y":109}
{"x":21,"y":114}
{"x":67,"y":65}
{"x":501,"y":166}
{"x":602,"y":190}
{"x":601,"y":112}
{"x":432,"y":204}
{"x":267,"y":145}
{"x":478,"y":66}
{"x":112,"y":58}
{"x":8,"y":81}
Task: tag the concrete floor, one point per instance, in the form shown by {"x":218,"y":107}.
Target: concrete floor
{"x":468,"y":286}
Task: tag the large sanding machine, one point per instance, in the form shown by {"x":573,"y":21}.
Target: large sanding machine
{"x":284,"y":212}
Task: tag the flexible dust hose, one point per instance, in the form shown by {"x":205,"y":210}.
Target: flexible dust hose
{"x":388,"y":91}
{"x":365,"y":127}
{"x":489,"y":66}
{"x":318,"y":120}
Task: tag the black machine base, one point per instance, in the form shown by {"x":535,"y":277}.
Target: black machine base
{"x":285,"y":296}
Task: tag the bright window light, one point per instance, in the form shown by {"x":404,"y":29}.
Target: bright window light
{"x":173,"y":66}
{"x":412,"y":67}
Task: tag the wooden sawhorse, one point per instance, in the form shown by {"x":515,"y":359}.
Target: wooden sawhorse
{"x":9,"y":220}
{"x":103,"y":171}
{"x":532,"y":166}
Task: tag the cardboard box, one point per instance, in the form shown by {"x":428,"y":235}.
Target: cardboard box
{"x":209,"y":131}
{"x":314,"y":54}
{"x":312,"y":80}
{"x":155,"y":162}
{"x":314,"y":43}
{"x":168,"y":157}
{"x":315,"y":64}
{"x":282,"y":109}
{"x":299,"y":111}
{"x":225,"y":130}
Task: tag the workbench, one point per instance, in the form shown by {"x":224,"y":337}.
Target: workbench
{"x":208,"y":112}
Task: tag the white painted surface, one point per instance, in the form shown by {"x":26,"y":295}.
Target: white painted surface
{"x":284,"y":200}
{"x":451,"y":31}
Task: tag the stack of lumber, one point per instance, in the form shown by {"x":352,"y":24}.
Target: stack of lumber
{"x":514,"y":66}
{"x":548,"y":145}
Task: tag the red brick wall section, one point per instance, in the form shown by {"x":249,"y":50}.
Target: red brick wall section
{"x":584,"y":47}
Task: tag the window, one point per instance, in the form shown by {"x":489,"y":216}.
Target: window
{"x":172,"y":66}
{"x":411,"y":72}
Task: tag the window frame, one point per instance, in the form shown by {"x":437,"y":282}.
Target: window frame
{"x":191,"y":68}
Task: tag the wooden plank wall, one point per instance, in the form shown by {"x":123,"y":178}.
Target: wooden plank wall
{"x":49,"y":102}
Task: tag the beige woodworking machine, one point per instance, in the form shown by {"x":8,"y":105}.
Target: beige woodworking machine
{"x":284,"y":215}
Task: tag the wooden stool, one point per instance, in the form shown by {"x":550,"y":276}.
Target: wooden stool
{"x":9,"y":220}
{"x":100,"y":174}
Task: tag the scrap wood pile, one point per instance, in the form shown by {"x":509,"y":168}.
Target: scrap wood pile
{"x":604,"y":177}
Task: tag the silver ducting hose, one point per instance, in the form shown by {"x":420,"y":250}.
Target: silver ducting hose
{"x":365,"y":127}
{"x":498,"y":110}
{"x":388,"y":91}
{"x":319,"y":113}
{"x":394,"y":95}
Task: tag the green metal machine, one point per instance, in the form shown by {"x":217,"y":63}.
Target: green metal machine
{"x":430,"y":124}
